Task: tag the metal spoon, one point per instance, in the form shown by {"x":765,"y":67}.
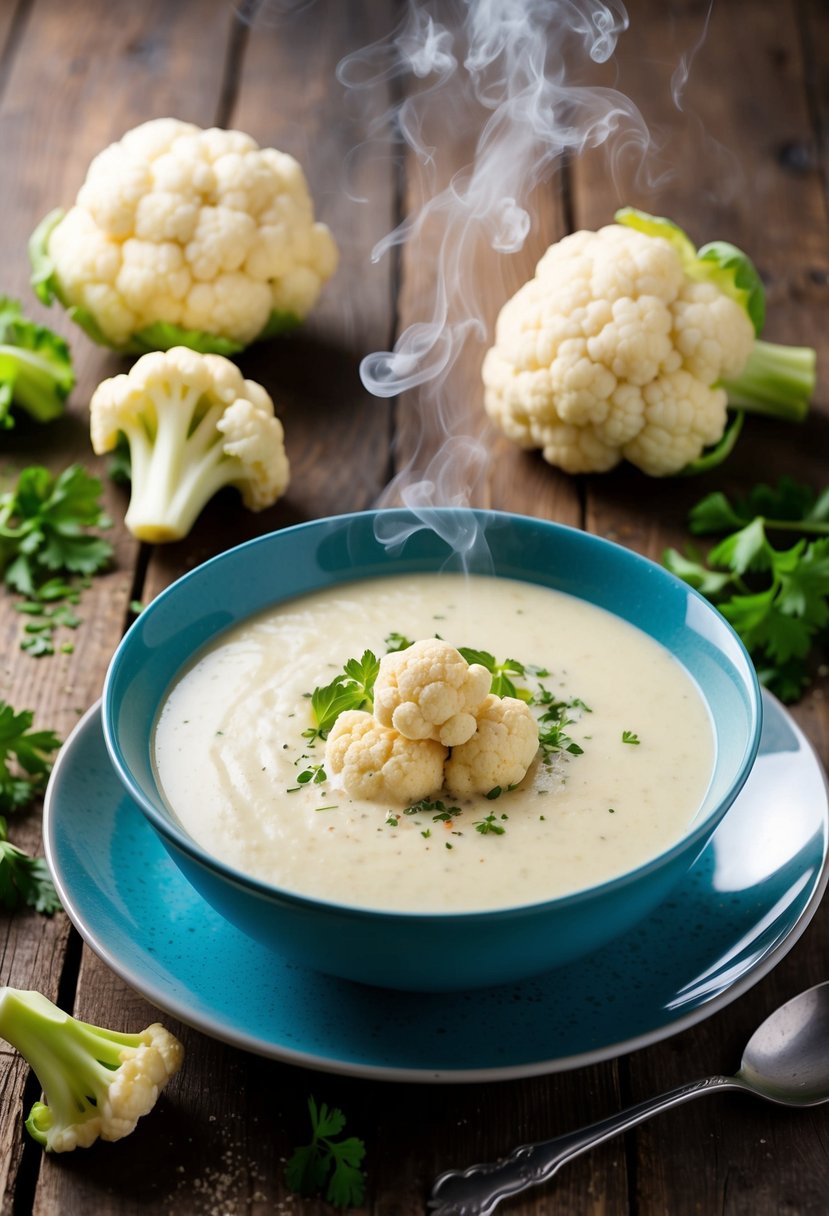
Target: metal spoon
{"x":786,"y":1061}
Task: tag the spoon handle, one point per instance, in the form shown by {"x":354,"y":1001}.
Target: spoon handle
{"x":477,"y":1191}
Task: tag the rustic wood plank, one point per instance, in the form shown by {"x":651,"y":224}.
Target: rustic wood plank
{"x":98,"y":65}
{"x":438,"y":420}
{"x":12,"y":19}
{"x":289,"y":99}
{"x":738,"y":171}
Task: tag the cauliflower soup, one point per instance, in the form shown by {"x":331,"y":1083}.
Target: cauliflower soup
{"x":625,"y":756}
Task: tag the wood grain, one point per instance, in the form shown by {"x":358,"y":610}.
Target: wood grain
{"x":746,"y":159}
{"x":737,"y":166}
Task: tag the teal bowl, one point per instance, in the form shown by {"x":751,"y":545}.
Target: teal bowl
{"x":411,"y":950}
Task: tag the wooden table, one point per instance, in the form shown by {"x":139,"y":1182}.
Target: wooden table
{"x":744,"y":157}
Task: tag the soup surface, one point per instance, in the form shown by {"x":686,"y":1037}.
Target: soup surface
{"x":243,"y":780}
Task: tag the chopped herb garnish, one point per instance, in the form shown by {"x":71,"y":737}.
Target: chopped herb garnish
{"x":391,"y":821}
{"x":494,"y":793}
{"x":315,"y":773}
{"x":396,"y":641}
{"x":489,"y":825}
{"x":629,"y":737}
{"x":426,"y":834}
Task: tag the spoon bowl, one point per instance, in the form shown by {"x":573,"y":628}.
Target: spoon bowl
{"x":787,"y":1058}
{"x":785,"y":1061}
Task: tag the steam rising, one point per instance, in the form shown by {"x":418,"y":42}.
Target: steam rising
{"x":508,"y":70}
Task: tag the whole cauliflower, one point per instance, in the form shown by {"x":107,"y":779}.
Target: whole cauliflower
{"x":628,"y":343}
{"x":379,"y":764}
{"x":429,"y":691}
{"x":184,"y":236}
{"x":499,"y":753}
{"x":193,"y":424}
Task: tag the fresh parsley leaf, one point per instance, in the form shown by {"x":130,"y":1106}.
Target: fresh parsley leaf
{"x":327,"y":1162}
{"x":776,"y":598}
{"x":502,"y":683}
{"x":46,"y":549}
{"x":352,"y":688}
{"x":25,"y":757}
{"x":24,"y":880}
{"x":628,"y":736}
{"x":362,"y":673}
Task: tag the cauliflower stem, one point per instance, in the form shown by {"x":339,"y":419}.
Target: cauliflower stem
{"x":97,"y":1082}
{"x":777,"y":381}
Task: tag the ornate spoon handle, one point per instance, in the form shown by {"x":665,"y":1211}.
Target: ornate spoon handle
{"x":477,"y":1191}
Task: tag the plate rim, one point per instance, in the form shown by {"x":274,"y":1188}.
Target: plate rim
{"x":238,"y":1038}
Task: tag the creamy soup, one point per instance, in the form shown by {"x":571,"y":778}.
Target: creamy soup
{"x":244,"y":781}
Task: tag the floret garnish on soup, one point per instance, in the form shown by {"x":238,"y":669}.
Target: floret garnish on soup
{"x":377,"y":744}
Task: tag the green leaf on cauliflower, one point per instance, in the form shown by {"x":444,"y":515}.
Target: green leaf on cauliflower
{"x":44,"y":281}
{"x":718,"y":262}
{"x":738,"y":278}
{"x":721,"y":450}
{"x":163,"y":335}
{"x":35,"y":367}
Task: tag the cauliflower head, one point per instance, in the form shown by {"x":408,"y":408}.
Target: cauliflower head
{"x":429,"y":691}
{"x":193,"y":424}
{"x":500,"y":751}
{"x":614,"y":351}
{"x":629,"y":343}
{"x":376,"y":762}
{"x":184,"y":236}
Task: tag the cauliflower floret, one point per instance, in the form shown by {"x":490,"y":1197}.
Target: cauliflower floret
{"x":249,"y":256}
{"x":429,"y":691}
{"x":379,"y":764}
{"x":193,"y":425}
{"x":96,"y":1082}
{"x":500,"y":751}
{"x":615,"y":350}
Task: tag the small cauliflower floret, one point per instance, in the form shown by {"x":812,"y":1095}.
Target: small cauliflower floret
{"x":629,"y":343}
{"x":429,"y":691}
{"x":375,"y":762}
{"x":499,"y":753}
{"x":97,"y":1083}
{"x":193,"y":424}
{"x":250,"y":260}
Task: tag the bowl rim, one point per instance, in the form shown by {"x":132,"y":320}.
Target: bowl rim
{"x":183,"y":842}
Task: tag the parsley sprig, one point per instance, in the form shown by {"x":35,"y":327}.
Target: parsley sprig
{"x":25,"y":758}
{"x":327,"y":1162}
{"x":25,"y":763}
{"x":352,"y":688}
{"x":553,"y":722}
{"x":777,"y":598}
{"x":24,"y":880}
{"x":502,"y":683}
{"x":47,"y":551}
